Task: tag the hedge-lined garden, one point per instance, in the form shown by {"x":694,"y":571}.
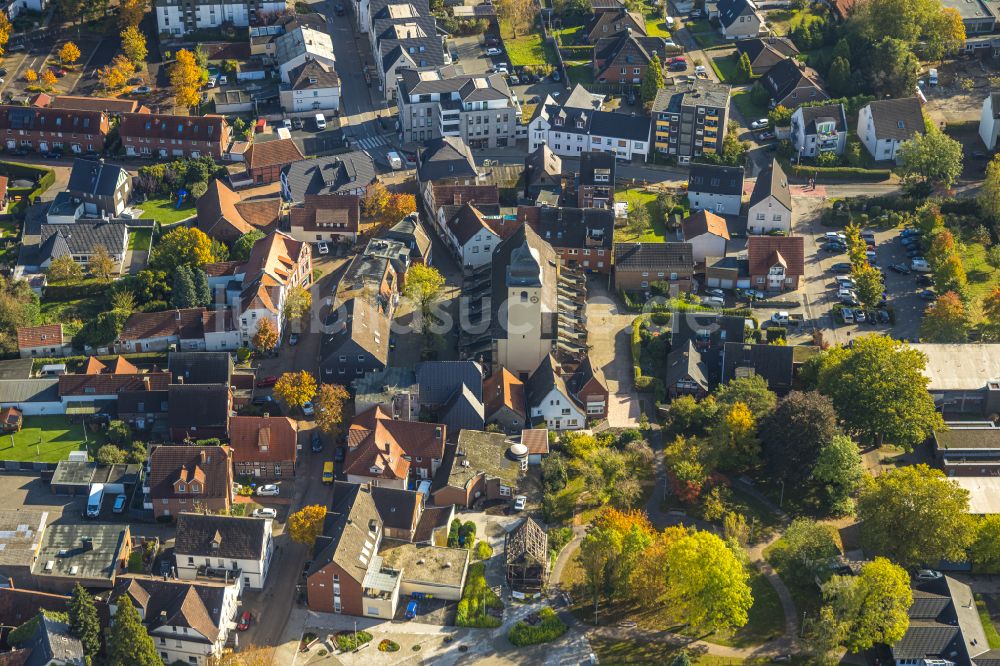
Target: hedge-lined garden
{"x":547,"y":628}
{"x":477,"y":600}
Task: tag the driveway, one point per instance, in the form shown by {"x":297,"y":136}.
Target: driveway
{"x":609,"y":332}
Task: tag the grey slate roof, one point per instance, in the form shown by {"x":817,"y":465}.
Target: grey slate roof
{"x":668,"y":257}
{"x":775,"y":363}
{"x":198,"y":405}
{"x":313,"y":74}
{"x":53,"y":643}
{"x":93,"y":177}
{"x":44,"y":389}
{"x":470,"y":87}
{"x":82,"y":237}
{"x":457,"y":388}
{"x":812,"y":114}
{"x":229,"y":537}
{"x":410,"y":232}
{"x":731,"y":10}
{"x":546,"y":377}
{"x":446,"y":157}
{"x":772,"y":181}
{"x":345,"y":531}
{"x":337,"y":174}
{"x":200,"y":367}
{"x":897,"y":119}
{"x":686,"y":363}
{"x":713,"y":179}
{"x":364,"y":321}
{"x":785,"y":77}
{"x":633,"y":127}
{"x":576,"y":227}
{"x":396,"y":506}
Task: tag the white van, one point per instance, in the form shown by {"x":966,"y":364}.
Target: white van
{"x":932,"y":77}
{"x":670,"y":22}
{"x":320,"y":121}
{"x":395,"y":161}
{"x":95,"y":499}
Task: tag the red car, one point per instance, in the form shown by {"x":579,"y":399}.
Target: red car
{"x":270,"y":380}
{"x":245,"y":620}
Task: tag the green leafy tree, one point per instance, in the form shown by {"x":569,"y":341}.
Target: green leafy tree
{"x":109,"y":454}
{"x":932,"y":157}
{"x":751,"y":391}
{"x":183,"y":246}
{"x":637,"y":220}
{"x":744,"y":69}
{"x":837,"y":475}
{"x":945,"y":320}
{"x":879,"y":391}
{"x":838,"y":80}
{"x":64,"y":270}
{"x":856,"y":246}
{"x":871,"y":607}
{"x":119,"y":432}
{"x":805,"y":551}
{"x":949,"y":273}
{"x":219,"y":250}
{"x":989,"y":192}
{"x":83,"y":621}
{"x":598,"y":558}
{"x":868,"y":283}
{"x":241,"y":248}
{"x":801,"y":423}
{"x":985,"y":549}
{"x":822,"y":637}
{"x":183,"y":293}
{"x":652,"y":80}
{"x":707,"y":583}
{"x":893,"y":68}
{"x":203,"y":293}
{"x":424,"y":285}
{"x":128,"y":642}
{"x":915,"y":515}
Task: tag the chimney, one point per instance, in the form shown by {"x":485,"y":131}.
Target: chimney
{"x":87,"y":544}
{"x":387,"y":447}
{"x":177,"y":315}
{"x":145,"y":383}
{"x":180,"y":380}
{"x":457,"y":198}
{"x":203,"y":455}
{"x":266,"y":415}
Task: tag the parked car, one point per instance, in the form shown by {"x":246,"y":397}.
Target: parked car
{"x":925,"y":281}
{"x":909,"y":240}
{"x":928,"y":574}
{"x":293,"y":339}
{"x":909,"y":231}
{"x":53,"y":155}
{"x":245,"y":619}
{"x":900,"y":268}
{"x":753,"y":293}
{"x":841,"y":267}
{"x":339,"y":9}
{"x":323,"y":247}
{"x":761,"y":123}
{"x":267,"y":401}
{"x":556,"y":76}
{"x":714,"y":291}
{"x":265,"y":513}
{"x":849,"y":300}
{"x":339,"y":454}
{"x":308,"y":409}
{"x":848,"y":315}
{"x":296,"y":123}
{"x":836,"y":248}
{"x":920,"y":265}
{"x":411,"y":610}
{"x":928,"y":295}
{"x":270,"y":380}
{"x":143,"y":90}
{"x":493,"y":52}
{"x":859,"y":316}
{"x":315,"y":441}
{"x":268,"y":490}
{"x":519,"y":502}
{"x":119,"y":506}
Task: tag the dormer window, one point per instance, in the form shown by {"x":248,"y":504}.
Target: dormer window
{"x":180,"y":487}
{"x":196,"y":487}
{"x":313,"y":80}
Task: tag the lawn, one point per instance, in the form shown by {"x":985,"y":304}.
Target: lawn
{"x":704,"y":33}
{"x":657,"y":231}
{"x":767,"y":618}
{"x":9,"y":229}
{"x":165,"y":211}
{"x":982,"y":276}
{"x":579,"y":71}
{"x":569,"y":34}
{"x":747,"y":107}
{"x":984,"y":606}
{"x":139,"y":240}
{"x":44,"y":439}
{"x":73,"y":313}
{"x":655,"y":25}
{"x":784,"y":21}
{"x":529,"y":49}
{"x":641,"y":652}
{"x":725,"y":67}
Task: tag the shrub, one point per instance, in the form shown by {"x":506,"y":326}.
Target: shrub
{"x":660,"y":318}
{"x":349,"y":641}
{"x":211,"y":441}
{"x":385,"y":645}
{"x":477,"y":599}
{"x":549,"y":629}
{"x":453,"y":533}
{"x":483,"y":551}
{"x":776,"y":333}
{"x":467,"y":534}
{"x":559,"y":537}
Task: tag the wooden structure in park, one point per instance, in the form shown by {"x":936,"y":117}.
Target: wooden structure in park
{"x":527,"y":553}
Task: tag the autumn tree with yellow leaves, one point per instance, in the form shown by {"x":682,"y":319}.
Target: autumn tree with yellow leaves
{"x":134,"y":45}
{"x":186,"y":78}
{"x":5,"y":29}
{"x":130,"y":13}
{"x":48,"y":78}
{"x":117,"y":74}
{"x":306,"y":524}
{"x":295,"y":388}
{"x":31,"y":76}
{"x":69,"y":53}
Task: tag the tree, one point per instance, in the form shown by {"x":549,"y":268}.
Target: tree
{"x":295,"y":388}
{"x":330,"y":408}
{"x":49,"y":78}
{"x":130,"y":13}
{"x":109,"y":454}
{"x":398,"y":207}
{"x":83,"y":621}
{"x":118,"y":432}
{"x":101,"y":265}
{"x":186,"y":77}
{"x":800,"y":424}
{"x":985,"y":549}
{"x":134,"y":44}
{"x":202,"y":292}
{"x":251,"y":655}
{"x":69,"y":53}
{"x":65,"y":270}
{"x":374,"y":201}
{"x":991,"y":314}
{"x":893,"y":68}
{"x":5,"y":29}
{"x":945,"y":320}
{"x":128,"y":642}
{"x":942,"y":246}
{"x":638,"y":215}
{"x":123,"y":299}
{"x":424,"y":285}
{"x":117,"y":74}
{"x":184,"y":246}
{"x":873,"y":606}
{"x":652,"y":80}
{"x":949,"y":274}
{"x":879,"y":391}
{"x":71,"y":9}
{"x":838,"y":79}
{"x":822,"y":637}
{"x":931,"y":157}
{"x":751,"y":391}
{"x":266,"y":337}
{"x":598,"y":557}
{"x":306,"y":524}
{"x":946,"y":36}
{"x":707,"y":582}
{"x":137,"y":453}
{"x":736,"y":435}
{"x":989,"y":192}
{"x":805,"y":551}
{"x":744,"y":69}
{"x":857,"y":248}
{"x":915,"y":515}
{"x":30,"y":75}
{"x":518,"y":14}
{"x":868,"y":283}
{"x":297,"y":304}
{"x":183,"y":294}
{"x":837,"y":475}
{"x":241,"y":248}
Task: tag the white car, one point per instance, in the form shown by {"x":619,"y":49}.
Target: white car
{"x":265,"y":513}
{"x":712,"y":291}
{"x":753,"y":293}
{"x":211,"y":81}
{"x":834,"y":236}
{"x":268,"y":490}
{"x":307,"y":409}
{"x":848,"y":315}
{"x":223,"y":80}
{"x":501,"y":68}
{"x":844,"y":281}
{"x":920,"y":265}
{"x":492,"y":51}
{"x":519,"y":502}
{"x":323,"y":247}
{"x":760,"y":124}
{"x":928,"y":574}
{"x":844,"y":292}
{"x":287,"y":123}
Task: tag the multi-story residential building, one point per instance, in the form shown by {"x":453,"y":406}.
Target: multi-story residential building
{"x":583,"y":237}
{"x":300,"y":45}
{"x":41,"y":129}
{"x":776,"y":262}
{"x":613,"y":23}
{"x":223,"y":547}
{"x":179,"y":17}
{"x":277,"y":264}
{"x":770,"y":207}
{"x":819,"y":129}
{"x":44,"y":341}
{"x":624,"y":58}
{"x":162,"y":135}
{"x":473,"y":230}
{"x":222,"y":215}
{"x":189,"y":623}
{"x":312,"y":86}
{"x":764,"y":53}
{"x":690,"y":120}
{"x":595,"y":182}
{"x":718,"y":189}
{"x":104,"y":189}
{"x":347,"y":173}
{"x":883,"y":125}
{"x":637,"y":265}
{"x":739,"y":19}
{"x":404,"y":36}
{"x":267,"y":160}
{"x":358,"y":343}
{"x":435,"y":103}
{"x":264,"y":447}
{"x":181,"y":478}
{"x":325,"y":217}
{"x":790,"y":83}
{"x":384,"y":451}
{"x":577,"y":125}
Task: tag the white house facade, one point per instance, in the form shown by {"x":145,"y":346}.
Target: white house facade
{"x":559,"y":411}
{"x":989,"y":121}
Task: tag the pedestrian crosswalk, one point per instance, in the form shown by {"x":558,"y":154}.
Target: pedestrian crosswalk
{"x":370,"y":142}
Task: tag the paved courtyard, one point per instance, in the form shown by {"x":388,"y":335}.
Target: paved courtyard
{"x":609,"y":331}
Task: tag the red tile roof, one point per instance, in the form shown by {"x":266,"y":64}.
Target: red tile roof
{"x":167,"y":126}
{"x":185,"y":323}
{"x":29,"y":337}
{"x":503,"y":388}
{"x":702,"y":222}
{"x":273,"y":153}
{"x":67,"y":121}
{"x":536,"y":440}
{"x":210,"y":464}
{"x":112,"y":384}
{"x":764,"y":251}
{"x":262,"y":438}
{"x":327,"y":212}
{"x":108,"y":104}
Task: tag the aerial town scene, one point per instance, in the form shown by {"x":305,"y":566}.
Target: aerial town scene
{"x":502,"y":332}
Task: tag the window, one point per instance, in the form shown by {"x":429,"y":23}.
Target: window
{"x":760,"y":216}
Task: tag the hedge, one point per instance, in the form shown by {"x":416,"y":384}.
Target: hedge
{"x":477,"y":599}
{"x":60,"y":293}
{"x":549,"y":629}
{"x":349,"y":641}
{"x":837,"y":173}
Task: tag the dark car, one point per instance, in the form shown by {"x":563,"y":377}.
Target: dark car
{"x":833,"y":247}
{"x":315,"y":441}
{"x":20,"y":152}
{"x":978,"y":155}
{"x":927,"y":295}
{"x":909,"y":231}
{"x":339,"y":9}
{"x":556,"y":76}
{"x":3,"y":71}
{"x":900,"y":268}
{"x":925,"y":280}
{"x":53,"y":155}
{"x":339,"y":454}
{"x":841,"y":267}
{"x":849,"y":300}
{"x":909,"y":240}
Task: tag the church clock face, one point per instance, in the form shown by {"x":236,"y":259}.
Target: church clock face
{"x":534,"y":299}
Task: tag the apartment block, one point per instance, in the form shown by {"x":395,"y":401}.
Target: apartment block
{"x":690,"y":120}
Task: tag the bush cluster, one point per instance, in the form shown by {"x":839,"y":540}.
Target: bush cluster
{"x":548,"y":629}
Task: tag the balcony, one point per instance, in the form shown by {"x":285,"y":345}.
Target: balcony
{"x":217,"y":574}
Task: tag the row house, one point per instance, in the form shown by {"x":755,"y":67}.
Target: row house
{"x":179,"y":17}
{"x":69,"y":130}
{"x":184,"y":478}
{"x":583,"y":237}
{"x":223,"y":547}
{"x":159,"y":135}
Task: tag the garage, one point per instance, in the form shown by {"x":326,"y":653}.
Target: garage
{"x":721,"y":283}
